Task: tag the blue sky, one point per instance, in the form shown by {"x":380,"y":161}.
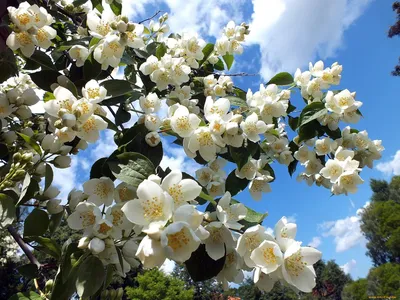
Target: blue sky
{"x":287,"y":34}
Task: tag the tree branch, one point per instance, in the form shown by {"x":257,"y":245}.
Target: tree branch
{"x":150,"y":17}
{"x":23,"y":246}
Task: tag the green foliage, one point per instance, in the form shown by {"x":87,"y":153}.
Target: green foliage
{"x":91,"y":275}
{"x":36,"y":223}
{"x":356,"y":290}
{"x":385,"y":280}
{"x":283,"y":78}
{"x":154,"y":284}
{"x":380,"y":222}
{"x":7,"y":210}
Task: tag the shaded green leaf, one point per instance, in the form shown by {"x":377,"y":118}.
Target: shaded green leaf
{"x":29,"y":187}
{"x":312,"y":112}
{"x":55,"y":221}
{"x":48,"y":177}
{"x":44,"y":79}
{"x":207,"y":51}
{"x":90,"y":277}
{"x":91,"y":68}
{"x":228,"y":59}
{"x":7,"y":210}
{"x":236,"y":101}
{"x":29,"y":271}
{"x":122,"y":116}
{"x":283,"y":78}
{"x":26,"y":296}
{"x":116,"y":87}
{"x":31,"y":142}
{"x":43,"y":60}
{"x":36,"y":223}
{"x":46,"y":245}
{"x":131,"y":167}
{"x":219,"y":65}
{"x":8,"y":65}
{"x":116,"y":8}
{"x":234,"y":184}
{"x":161,"y":50}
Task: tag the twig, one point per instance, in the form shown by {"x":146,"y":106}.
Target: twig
{"x":23,"y":246}
{"x":150,"y":17}
{"x":237,"y":74}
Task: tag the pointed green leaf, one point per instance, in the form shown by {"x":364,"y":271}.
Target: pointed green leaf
{"x":283,"y":78}
{"x":36,"y":223}
{"x":228,"y":59}
{"x":90,"y":277}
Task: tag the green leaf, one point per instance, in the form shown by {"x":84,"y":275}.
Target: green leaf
{"x":293,"y":122}
{"x":29,"y":271}
{"x":48,"y":96}
{"x":31,"y":142}
{"x":240,"y":93}
{"x":116,"y":87}
{"x":43,"y":60}
{"x":26,"y":296}
{"x":252,"y":218}
{"x":3,"y":150}
{"x":283,"y":78}
{"x":292,"y":167}
{"x":228,"y":59}
{"x":90,"y":278}
{"x":48,"y":177}
{"x":219,"y":65}
{"x":201,"y":267}
{"x":97,"y":4}
{"x":7,"y":210}
{"x":234,"y":184}
{"x":291,"y":108}
{"x":131,"y":167}
{"x":161,"y":50}
{"x":68,"y":44}
{"x":207,"y":51}
{"x":122,"y":116}
{"x":55,"y":221}
{"x":239,"y":155}
{"x":91,"y":68}
{"x":29,"y":187}
{"x":44,"y":79}
{"x":312,"y":112}
{"x":8,"y":65}
{"x":47,"y":245}
{"x":36,"y":223}
{"x":236,"y":101}
{"x":308,"y":131}
{"x":271,"y":171}
{"x":94,"y":41}
{"x":116,"y":8}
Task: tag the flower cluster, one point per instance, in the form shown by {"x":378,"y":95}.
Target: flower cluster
{"x":232,"y":39}
{"x":30,"y":28}
{"x":71,"y":117}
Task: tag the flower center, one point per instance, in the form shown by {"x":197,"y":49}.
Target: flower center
{"x":178,"y":240}
{"x":88,"y":218}
{"x":205,"y":139}
{"x":89,"y":125}
{"x":269,"y":256}
{"x":152,"y":208}
{"x":102,"y":190}
{"x":23,"y":18}
{"x":294,"y":264}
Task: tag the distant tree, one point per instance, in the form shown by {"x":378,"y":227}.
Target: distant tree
{"x":202,"y":290}
{"x":384,"y":280}
{"x":356,"y":290}
{"x":395,"y":30}
{"x":155,"y":285}
{"x":380,"y":222}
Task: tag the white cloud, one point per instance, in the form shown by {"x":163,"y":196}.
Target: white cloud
{"x":346,"y":232}
{"x":315,"y":242}
{"x":349,"y":266}
{"x":291,"y":33}
{"x":66,"y":179}
{"x":391,"y":167}
{"x":168,"y":266}
{"x":292,"y":218}
{"x":175,"y":158}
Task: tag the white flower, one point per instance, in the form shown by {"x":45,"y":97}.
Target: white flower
{"x":267,"y":256}
{"x":44,"y":36}
{"x":94,"y":92}
{"x":250,"y":240}
{"x":99,"y":28}
{"x":150,"y":104}
{"x":285,"y":157}
{"x":79,"y":53}
{"x":22,"y":16}
{"x":179,"y":241}
{"x":302,"y":79}
{"x":74,"y":198}
{"x":62,"y":162}
{"x":184,"y":123}
{"x":64,"y":100}
{"x":124,"y":192}
{"x":134,"y":39}
{"x":181,"y":190}
{"x":109,"y":52}
{"x":100,"y":190}
{"x":266,"y":282}
{"x":231,"y":271}
{"x":161,"y":77}
{"x":150,"y":65}
{"x":316,"y":70}
{"x":333,"y":170}
{"x":152,"y":209}
{"x":285,"y":233}
{"x":5,"y":107}
{"x":220,"y":239}
{"x":96,"y":245}
{"x":248,"y":171}
{"x":259,"y":185}
{"x":128,"y":251}
{"x":22,"y":40}
{"x":204,"y":176}
{"x":349,"y":180}
{"x":120,"y":223}
{"x":304,"y":154}
{"x":324,"y":146}
{"x":150,"y":253}
{"x":86,"y":215}
{"x":216,"y":110}
{"x":152,"y":122}
{"x":89,"y":131}
{"x":103,"y":229}
{"x":53,"y":206}
{"x":297,"y":268}
{"x":205,"y":142}
{"x":252,"y":127}
{"x":189,"y":214}
{"x":228,"y":214}
{"x":152,"y":139}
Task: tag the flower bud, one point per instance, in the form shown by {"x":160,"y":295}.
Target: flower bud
{"x":27,"y":131}
{"x":27,"y":157}
{"x":232,"y":128}
{"x":69,"y":120}
{"x":23,"y":112}
{"x":130,"y":27}
{"x":18,"y":175}
{"x":62,"y":161}
{"x":155,"y":178}
{"x":153,"y":139}
{"x":84,"y":242}
{"x":96,"y":245}
{"x":17,"y":157}
{"x":213,"y":59}
{"x":58,"y":124}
